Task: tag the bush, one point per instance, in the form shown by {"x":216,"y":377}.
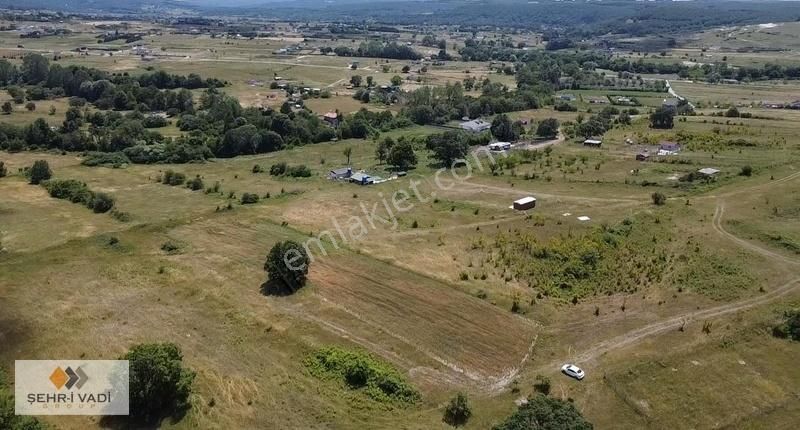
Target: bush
{"x":458,"y":411}
{"x":40,"y":171}
{"x":195,"y":184}
{"x":542,"y":384}
{"x":546,"y":413}
{"x":3,"y":170}
{"x":362,"y":371}
{"x":287,"y":265}
{"x":115,"y":159}
{"x":101,"y":203}
{"x":277,"y":169}
{"x":171,"y":247}
{"x":790,"y":327}
{"x":173,"y":178}
{"x":746,"y":171}
{"x":300,"y":171}
{"x":249,"y":198}
{"x":159,"y":384}
{"x":659,"y":199}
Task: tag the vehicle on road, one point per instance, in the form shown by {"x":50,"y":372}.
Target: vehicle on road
{"x":573,"y":371}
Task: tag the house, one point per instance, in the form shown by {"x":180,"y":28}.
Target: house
{"x":342,"y":173}
{"x":525,"y":203}
{"x":361,"y":178}
{"x":500,"y":146}
{"x":331,"y":118}
{"x":708,"y":172}
{"x":643,"y":156}
{"x":476,"y":125}
{"x":592,"y":142}
{"x":668,"y":148}
{"x":670,"y":104}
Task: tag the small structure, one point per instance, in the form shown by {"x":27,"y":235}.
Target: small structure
{"x":643,"y":156}
{"x":668,"y":148}
{"x":670,"y":104}
{"x":593,"y":142}
{"x":598,"y":100}
{"x":772,"y":105}
{"x":361,"y":178}
{"x":476,"y":125}
{"x":525,"y":203}
{"x":708,"y":172}
{"x":567,"y":97}
{"x":331,"y":118}
{"x":500,"y":146}
{"x":342,"y":173}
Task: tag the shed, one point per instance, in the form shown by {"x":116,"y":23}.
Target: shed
{"x":525,"y":203}
{"x":361,"y":178}
{"x":342,"y":173}
{"x":592,"y":142}
{"x":708,"y":171}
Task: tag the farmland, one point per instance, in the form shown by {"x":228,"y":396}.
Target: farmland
{"x":663,"y":284}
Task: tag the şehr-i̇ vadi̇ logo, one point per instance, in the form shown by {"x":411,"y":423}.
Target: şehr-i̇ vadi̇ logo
{"x":86,"y":387}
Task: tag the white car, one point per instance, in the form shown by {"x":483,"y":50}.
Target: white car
{"x":573,"y":371}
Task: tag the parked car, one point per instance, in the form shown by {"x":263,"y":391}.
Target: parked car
{"x":573,"y":371}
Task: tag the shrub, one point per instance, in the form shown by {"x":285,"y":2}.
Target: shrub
{"x":171,"y":247}
{"x":300,"y":171}
{"x":362,"y":371}
{"x":546,"y":413}
{"x":542,"y":384}
{"x":458,"y":411}
{"x":173,"y":178}
{"x":159,"y":384}
{"x":746,"y":171}
{"x":659,"y":199}
{"x":277,"y":169}
{"x":257,"y":168}
{"x":3,"y":170}
{"x":790,"y":327}
{"x":40,"y":171}
{"x":115,"y":159}
{"x":101,"y":203}
{"x":249,"y":198}
{"x":195,"y":184}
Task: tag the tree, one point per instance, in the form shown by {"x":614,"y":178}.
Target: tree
{"x":406,"y":69}
{"x":159,"y":384}
{"x":448,"y":147}
{"x":542,"y":412}
{"x":548,"y":128}
{"x":542,"y":384}
{"x":3,"y":170}
{"x":35,"y":68}
{"x":659,"y":199}
{"x":458,"y":411}
{"x":383,"y":148}
{"x":370,"y":81}
{"x":40,"y":171}
{"x":286,"y":108}
{"x":52,"y":110}
{"x":287,"y":265}
{"x":662,"y":118}
{"x":397,"y":80}
{"x":347,"y":153}
{"x":30,"y":106}
{"x":790,"y":327}
{"x":502,"y":129}
{"x":355,"y":80}
{"x":401,"y":155}
{"x":747,"y":170}
{"x":7,"y":108}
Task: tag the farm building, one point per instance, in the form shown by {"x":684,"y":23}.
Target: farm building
{"x":668,"y":148}
{"x":361,"y":178}
{"x":342,"y":173}
{"x":592,"y":142}
{"x":708,"y":172}
{"x":499,"y":146}
{"x":525,"y":203}
{"x":476,"y":125}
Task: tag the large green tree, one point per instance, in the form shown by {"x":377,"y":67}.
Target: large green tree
{"x":503,"y":129}
{"x":401,"y":155}
{"x":287,"y":265}
{"x":545,"y":413}
{"x":547,"y":128}
{"x":35,"y":68}
{"x":662,"y":118}
{"x":159,"y":384}
{"x":458,"y":411}
{"x":448,"y":147}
